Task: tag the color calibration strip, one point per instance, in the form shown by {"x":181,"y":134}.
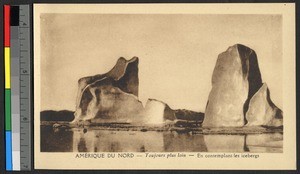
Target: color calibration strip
{"x":8,"y":132}
{"x":25,"y":86}
{"x":17,"y":87}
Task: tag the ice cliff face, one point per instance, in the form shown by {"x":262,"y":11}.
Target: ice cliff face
{"x":262,"y":111}
{"x":113,"y":97}
{"x":236,"y":81}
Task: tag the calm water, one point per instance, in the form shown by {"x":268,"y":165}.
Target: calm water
{"x":91,"y":140}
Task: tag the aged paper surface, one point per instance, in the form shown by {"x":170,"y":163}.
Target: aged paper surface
{"x":173,"y":51}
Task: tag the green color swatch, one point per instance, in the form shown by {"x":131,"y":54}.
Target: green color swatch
{"x":7,"y":109}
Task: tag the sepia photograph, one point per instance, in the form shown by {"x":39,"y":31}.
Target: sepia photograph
{"x":145,"y":82}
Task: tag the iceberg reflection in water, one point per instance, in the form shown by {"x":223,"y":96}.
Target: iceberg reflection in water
{"x":93,"y":140}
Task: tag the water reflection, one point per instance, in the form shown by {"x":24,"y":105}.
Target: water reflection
{"x":117,"y":141}
{"x":174,"y":142}
{"x":56,"y":140}
{"x":79,"y":140}
{"x":225,"y":143}
{"x":265,"y":142}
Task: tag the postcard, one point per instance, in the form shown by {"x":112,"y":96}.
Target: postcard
{"x":164,"y":86}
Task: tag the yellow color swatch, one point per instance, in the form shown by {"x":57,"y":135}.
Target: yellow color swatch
{"x":7,"y":67}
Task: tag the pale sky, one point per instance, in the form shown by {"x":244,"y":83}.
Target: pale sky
{"x":177,"y":53}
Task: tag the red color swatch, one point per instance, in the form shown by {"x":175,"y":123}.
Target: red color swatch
{"x":6,"y":25}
